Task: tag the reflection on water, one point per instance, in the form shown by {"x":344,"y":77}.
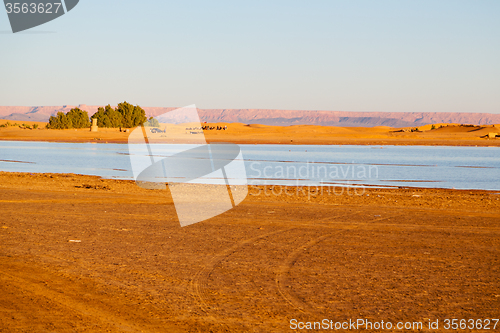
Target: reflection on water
{"x":446,"y":167}
{"x":13,"y":161}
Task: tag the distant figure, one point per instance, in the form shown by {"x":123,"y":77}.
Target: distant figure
{"x":94,"y":127}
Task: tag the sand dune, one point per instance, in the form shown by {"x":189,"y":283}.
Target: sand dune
{"x":297,"y":134}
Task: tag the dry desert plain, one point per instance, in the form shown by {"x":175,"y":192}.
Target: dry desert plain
{"x":84,"y":254}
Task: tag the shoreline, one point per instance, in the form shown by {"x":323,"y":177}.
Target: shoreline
{"x":340,"y":142}
{"x":270,"y":142}
{"x":269,"y":188}
{"x":452,"y":135}
{"x":305,"y":190}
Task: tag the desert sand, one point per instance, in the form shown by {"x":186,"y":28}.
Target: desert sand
{"x":450,"y":135}
{"x":84,"y":254}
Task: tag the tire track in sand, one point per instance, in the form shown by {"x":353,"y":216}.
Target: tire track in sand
{"x":288,"y":263}
{"x":284,"y":269}
{"x":198,"y":283}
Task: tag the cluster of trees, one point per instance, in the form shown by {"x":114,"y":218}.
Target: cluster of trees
{"x":124,"y":115}
{"x":75,"y":118}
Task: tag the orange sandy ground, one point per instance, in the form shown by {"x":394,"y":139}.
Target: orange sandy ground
{"x":379,"y":254}
{"x":300,"y":134}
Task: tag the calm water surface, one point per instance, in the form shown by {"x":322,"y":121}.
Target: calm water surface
{"x":443,"y":167}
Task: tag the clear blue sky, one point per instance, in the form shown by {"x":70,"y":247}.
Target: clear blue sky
{"x":310,"y":55}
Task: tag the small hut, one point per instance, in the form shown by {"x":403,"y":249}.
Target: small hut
{"x":94,"y":127}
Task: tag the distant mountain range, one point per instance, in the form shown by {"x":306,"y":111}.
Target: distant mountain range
{"x":279,"y":117}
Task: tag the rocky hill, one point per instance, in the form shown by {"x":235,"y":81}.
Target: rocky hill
{"x":279,"y":117}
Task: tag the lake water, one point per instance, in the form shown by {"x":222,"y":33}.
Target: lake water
{"x":418,"y":166}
